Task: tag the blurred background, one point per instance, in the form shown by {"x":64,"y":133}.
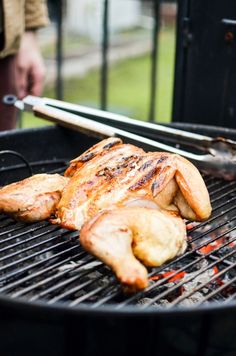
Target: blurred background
{"x":116,"y":55}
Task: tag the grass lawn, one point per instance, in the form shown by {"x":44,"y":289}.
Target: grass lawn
{"x":128,"y":86}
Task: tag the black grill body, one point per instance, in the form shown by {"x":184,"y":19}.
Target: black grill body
{"x":41,"y":330}
{"x":205,"y":56}
{"x":37,"y":328}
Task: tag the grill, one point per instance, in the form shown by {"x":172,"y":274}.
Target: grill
{"x":41,"y":261}
{"x":45,"y":273}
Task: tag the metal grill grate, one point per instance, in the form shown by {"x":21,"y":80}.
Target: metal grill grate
{"x":44,"y":262}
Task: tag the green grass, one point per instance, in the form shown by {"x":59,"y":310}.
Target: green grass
{"x":128,"y":86}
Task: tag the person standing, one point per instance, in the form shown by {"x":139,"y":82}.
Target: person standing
{"x":22,"y":68}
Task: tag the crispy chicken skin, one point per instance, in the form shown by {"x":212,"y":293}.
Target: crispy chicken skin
{"x":100,"y":148}
{"x":34,"y":198}
{"x":124,"y":237}
{"x":122,"y":174}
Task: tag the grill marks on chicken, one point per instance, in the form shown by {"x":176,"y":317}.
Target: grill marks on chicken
{"x":121,"y":173}
{"x":97,"y":150}
{"x":34,"y":198}
{"x":128,"y":237}
{"x":76,"y":205}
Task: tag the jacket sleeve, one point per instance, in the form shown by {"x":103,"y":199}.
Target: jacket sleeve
{"x":36,"y":14}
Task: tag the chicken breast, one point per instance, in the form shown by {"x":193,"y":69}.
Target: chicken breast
{"x":34,"y":198}
{"x":124,"y":174}
{"x":71,"y":211}
{"x":128,"y":238}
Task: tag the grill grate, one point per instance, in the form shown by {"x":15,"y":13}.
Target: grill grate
{"x":43,"y":262}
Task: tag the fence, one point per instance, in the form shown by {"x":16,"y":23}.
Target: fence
{"x":104,"y":68}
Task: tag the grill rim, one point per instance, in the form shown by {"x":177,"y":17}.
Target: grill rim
{"x":86,"y":309}
{"x":108,"y":309}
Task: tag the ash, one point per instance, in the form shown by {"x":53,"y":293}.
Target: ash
{"x":189,"y":290}
{"x":196,"y":281}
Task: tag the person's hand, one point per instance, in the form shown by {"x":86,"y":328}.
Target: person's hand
{"x":30,"y":69}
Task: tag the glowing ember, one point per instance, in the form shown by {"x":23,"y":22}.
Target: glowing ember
{"x":191,"y":225}
{"x":212,"y":246}
{"x":176,"y":277}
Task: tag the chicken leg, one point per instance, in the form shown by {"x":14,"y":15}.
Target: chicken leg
{"x":123,"y":237}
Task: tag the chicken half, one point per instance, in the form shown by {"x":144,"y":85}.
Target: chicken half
{"x":128,"y":238}
{"x":124,"y":175}
{"x":34,"y":198}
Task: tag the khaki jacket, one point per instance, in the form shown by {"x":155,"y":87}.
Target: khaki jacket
{"x":18,"y":16}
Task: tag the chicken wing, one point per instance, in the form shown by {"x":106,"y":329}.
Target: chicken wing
{"x":34,"y":198}
{"x":123,"y":237}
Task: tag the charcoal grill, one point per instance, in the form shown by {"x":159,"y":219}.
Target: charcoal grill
{"x":53,"y":293}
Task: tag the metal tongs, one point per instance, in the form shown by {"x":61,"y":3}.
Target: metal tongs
{"x":218,"y":159}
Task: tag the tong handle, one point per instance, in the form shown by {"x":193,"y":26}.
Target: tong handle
{"x":209,"y":145}
{"x":99,"y":130}
{"x":205,"y":162}
{"x":125,"y":123}
{"x":72,"y":121}
{"x":219,"y":165}
{"x":40,"y":107}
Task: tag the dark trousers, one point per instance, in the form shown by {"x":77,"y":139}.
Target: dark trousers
{"x":8,"y":85}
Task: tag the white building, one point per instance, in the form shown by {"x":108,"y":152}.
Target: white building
{"x":84,"y":17}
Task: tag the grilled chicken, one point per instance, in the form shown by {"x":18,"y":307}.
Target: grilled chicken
{"x":34,"y":198}
{"x":123,"y":237}
{"x":123,"y":174}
